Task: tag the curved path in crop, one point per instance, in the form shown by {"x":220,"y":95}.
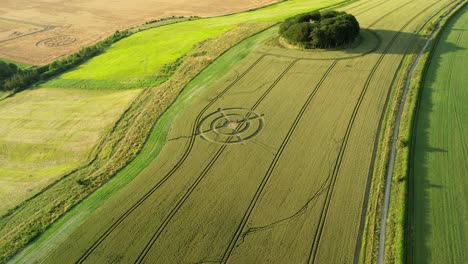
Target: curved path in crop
{"x":283,"y":196}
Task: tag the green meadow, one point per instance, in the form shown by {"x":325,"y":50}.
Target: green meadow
{"x":136,"y":61}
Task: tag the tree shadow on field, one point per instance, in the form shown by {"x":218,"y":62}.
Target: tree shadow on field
{"x":378,"y":41}
{"x":426,"y":186}
{"x":370,"y":41}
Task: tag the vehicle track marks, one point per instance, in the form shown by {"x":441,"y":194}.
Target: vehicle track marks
{"x":337,"y":166}
{"x":272,"y":166}
{"x":172,"y":171}
{"x":205,"y":171}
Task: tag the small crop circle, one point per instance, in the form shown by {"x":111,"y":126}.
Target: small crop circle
{"x":56,"y":41}
{"x":230,"y":125}
{"x":329,"y":29}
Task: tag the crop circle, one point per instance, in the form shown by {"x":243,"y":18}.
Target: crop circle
{"x":56,"y":41}
{"x":230,"y":126}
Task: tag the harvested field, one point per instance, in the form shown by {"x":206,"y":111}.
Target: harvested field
{"x":24,"y":24}
{"x":45,"y":133}
{"x":11,"y":29}
{"x":292,"y":188}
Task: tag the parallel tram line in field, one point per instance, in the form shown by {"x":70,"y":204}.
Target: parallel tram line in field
{"x":272,"y":167}
{"x":205,"y":171}
{"x":389,"y":13}
{"x":188,"y":150}
{"x":173,"y":170}
{"x":379,"y":41}
{"x":337,"y":166}
{"x":253,"y":202}
{"x":376,"y":143}
{"x":369,"y":8}
{"x":359,"y":5}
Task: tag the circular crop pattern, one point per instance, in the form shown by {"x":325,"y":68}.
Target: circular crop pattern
{"x":329,"y":29}
{"x":56,"y":41}
{"x":230,"y":125}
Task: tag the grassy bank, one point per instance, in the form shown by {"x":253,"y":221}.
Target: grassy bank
{"x":438,"y":160}
{"x":117,"y":149}
{"x":394,"y":246}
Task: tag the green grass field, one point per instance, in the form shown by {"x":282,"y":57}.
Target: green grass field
{"x":290,"y":191}
{"x":48,"y":132}
{"x":136,"y":60}
{"x":440,"y":161}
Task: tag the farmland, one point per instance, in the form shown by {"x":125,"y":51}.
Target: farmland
{"x":138,"y":65}
{"x":439,"y":164}
{"x":268,"y":160}
{"x":41,"y":31}
{"x":121,"y":68}
{"x":37,"y":146}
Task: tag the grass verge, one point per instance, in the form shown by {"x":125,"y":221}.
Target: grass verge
{"x":395,"y":232}
{"x":120,"y":146}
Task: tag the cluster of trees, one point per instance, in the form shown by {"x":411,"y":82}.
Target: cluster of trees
{"x":22,"y":79}
{"x":320,"y":30}
{"x":7,"y":70}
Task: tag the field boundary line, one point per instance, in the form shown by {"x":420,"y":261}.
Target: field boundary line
{"x":379,"y":131}
{"x":176,"y":167}
{"x":93,"y":155}
{"x":272,"y":167}
{"x":337,"y":166}
{"x":360,"y":4}
{"x":177,"y":93}
{"x":437,"y":34}
{"x":394,"y":139}
{"x":390,"y":157}
{"x":360,"y":12}
{"x":205,"y":171}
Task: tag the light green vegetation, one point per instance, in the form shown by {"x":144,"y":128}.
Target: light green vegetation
{"x":440,"y":158}
{"x":156,"y":140}
{"x":45,"y":133}
{"x":135,"y":61}
{"x":3,"y":95}
{"x":293,"y":193}
{"x":394,"y":248}
{"x":118,"y":147}
{"x":19,"y":64}
{"x":397,"y":220}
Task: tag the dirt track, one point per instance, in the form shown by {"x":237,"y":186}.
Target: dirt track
{"x":26,"y":26}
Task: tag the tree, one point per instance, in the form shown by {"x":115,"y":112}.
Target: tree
{"x":299,"y":33}
{"x":7,"y":70}
{"x":320,"y":30}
